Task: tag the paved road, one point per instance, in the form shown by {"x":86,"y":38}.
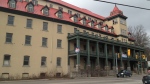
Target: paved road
{"x":136,"y":79}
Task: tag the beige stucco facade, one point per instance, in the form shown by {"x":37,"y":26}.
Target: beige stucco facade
{"x":17,"y":48}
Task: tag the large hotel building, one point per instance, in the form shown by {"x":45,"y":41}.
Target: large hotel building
{"x":55,"y":38}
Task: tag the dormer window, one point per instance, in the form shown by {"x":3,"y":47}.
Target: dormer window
{"x":75,"y":18}
{"x":12,"y":3}
{"x":99,"y":26}
{"x":60,"y":14}
{"x":45,"y":11}
{"x":106,"y":28}
{"x":30,"y":8}
{"x":112,"y":30}
{"x":84,"y":21}
{"x":92,"y":24}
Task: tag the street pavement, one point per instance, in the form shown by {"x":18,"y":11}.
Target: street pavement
{"x":136,"y":79}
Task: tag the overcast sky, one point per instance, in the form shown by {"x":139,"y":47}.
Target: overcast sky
{"x":135,"y":16}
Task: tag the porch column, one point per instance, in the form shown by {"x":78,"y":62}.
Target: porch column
{"x":68,"y":57}
{"x":97,"y":53}
{"x":120,"y":51}
{"x":141,"y":62}
{"x":134,"y":56}
{"x":114,"y":57}
{"x":128,"y":61}
{"x":106,"y":59}
{"x":88,"y":57}
{"x":78,"y":54}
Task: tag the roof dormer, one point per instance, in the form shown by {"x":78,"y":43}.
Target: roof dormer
{"x":83,"y":20}
{"x":74,"y":17}
{"x":45,"y":10}
{"x":59,"y":14}
{"x":111,"y":29}
{"x":91,"y":23}
{"x":12,"y":3}
{"x":30,"y":7}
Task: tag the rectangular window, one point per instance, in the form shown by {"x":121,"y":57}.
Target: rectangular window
{"x":60,"y":14}
{"x":89,"y":18}
{"x":44,"y":41}
{"x":45,"y":25}
{"x":9,"y":37}
{"x":10,"y":20}
{"x":26,"y":60}
{"x":51,"y":5}
{"x":27,"y":39}
{"x":43,"y":61}
{"x":59,"y":43}
{"x":58,"y":61}
{"x":78,"y":14}
{"x":75,"y":29}
{"x":29,"y":23}
{"x":84,"y":21}
{"x":69,"y":12}
{"x":60,"y":8}
{"x":59,"y":28}
{"x":6,"y":61}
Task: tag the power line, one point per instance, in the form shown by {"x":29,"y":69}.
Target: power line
{"x":123,"y":4}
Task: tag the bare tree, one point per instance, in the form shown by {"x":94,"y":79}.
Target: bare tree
{"x":140,"y":36}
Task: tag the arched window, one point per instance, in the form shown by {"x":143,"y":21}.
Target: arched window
{"x":12,"y":4}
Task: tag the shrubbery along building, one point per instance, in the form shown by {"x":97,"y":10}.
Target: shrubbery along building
{"x":40,"y":37}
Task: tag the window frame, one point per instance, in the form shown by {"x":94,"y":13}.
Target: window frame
{"x":26,"y":59}
{"x":60,"y":14}
{"x":10,"y":20}
{"x":12,"y":4}
{"x":59,"y":28}
{"x":59,"y":61}
{"x":28,"y":41}
{"x":46,"y":11}
{"x":9,"y":38}
{"x":75,"y":18}
{"x":43,"y":61}
{"x":59,"y":43}
{"x":8,"y":60}
{"x":30,"y":8}
{"x":44,"y":41}
{"x":29,"y":23}
{"x":45,"y":26}
{"x":84,"y":21}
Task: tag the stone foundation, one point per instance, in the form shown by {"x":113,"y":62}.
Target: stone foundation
{"x":77,"y":68}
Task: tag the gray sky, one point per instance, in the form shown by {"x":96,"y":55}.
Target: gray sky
{"x":135,"y":16}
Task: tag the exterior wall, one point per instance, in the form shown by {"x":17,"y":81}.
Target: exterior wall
{"x":18,"y":50}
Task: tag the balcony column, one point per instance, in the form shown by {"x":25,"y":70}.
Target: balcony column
{"x":97,"y":53}
{"x":78,"y":55}
{"x":141,"y":63}
{"x":88,"y":53}
{"x":134,"y":56}
{"x":128,"y":61}
{"x":68,"y":57}
{"x":88,"y":67}
{"x":106,"y":59}
{"x":121,"y":62}
{"x":114,"y":58}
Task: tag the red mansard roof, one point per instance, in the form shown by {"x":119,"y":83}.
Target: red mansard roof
{"x":78,"y":9}
{"x":21,"y":6}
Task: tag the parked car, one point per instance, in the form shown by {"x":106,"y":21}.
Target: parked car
{"x":146,"y":79}
{"x":124,"y":73}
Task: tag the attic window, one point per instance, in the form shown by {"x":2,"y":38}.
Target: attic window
{"x":35,"y":2}
{"x":30,"y":8}
{"x":89,"y":18}
{"x":115,"y":21}
{"x":112,"y":30}
{"x":59,"y":14}
{"x":12,"y":4}
{"x":92,"y":24}
{"x":78,"y":14}
{"x":75,"y":19}
{"x":84,"y":21}
{"x":69,"y":12}
{"x":99,"y":26}
{"x":60,"y":8}
{"x":106,"y":28}
{"x":45,"y":11}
